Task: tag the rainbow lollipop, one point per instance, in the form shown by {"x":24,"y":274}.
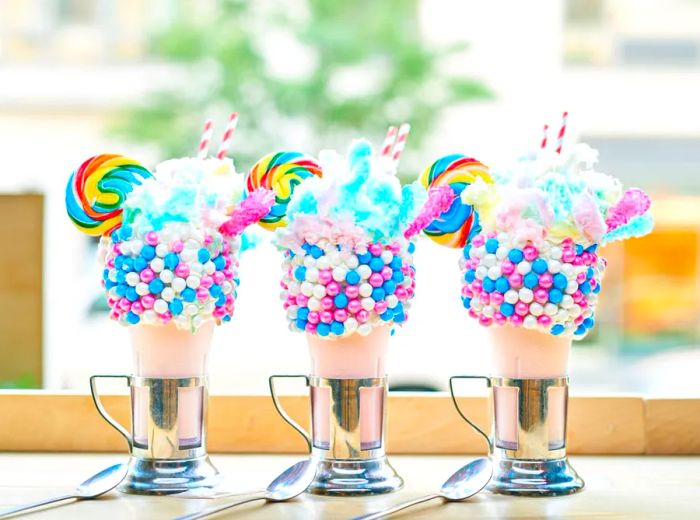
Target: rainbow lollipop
{"x":280,"y":172}
{"x":96,"y":191}
{"x":454,"y":227}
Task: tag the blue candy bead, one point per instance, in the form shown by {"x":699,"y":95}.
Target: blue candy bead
{"x":306,"y":247}
{"x":120,"y":289}
{"x":539,"y":266}
{"x":148,"y":252}
{"x":121,"y":277}
{"x":131,"y":294}
{"x":515,"y":256}
{"x":316,"y":251}
{"x":491,"y":245}
{"x":395,"y":263}
{"x":488,"y":285}
{"x":118,"y":261}
{"x":389,"y":287}
{"x":467,"y":302}
{"x":555,"y":295}
{"x":585,"y":287}
{"x":227,"y":317}
{"x":386,"y":315}
{"x":530,"y":280}
{"x":221,"y":301}
{"x":115,"y":236}
{"x":399,"y":317}
{"x":171,"y":261}
{"x":398,"y":276}
{"x":176,"y":306}
{"x":593,"y":248}
{"x":411,"y":247}
{"x":301,"y":324}
{"x":156,"y":286}
{"x":365,"y":257}
{"x":203,"y":255}
{"x":376,"y":264}
{"x":128,"y":264}
{"x":188,"y":294}
{"x":353,"y":277}
{"x":557,"y":329}
{"x":378,"y":294}
{"x":340,"y":301}
{"x":323,"y":329}
{"x":579,"y":249}
{"x":125,"y":233}
{"x":588,"y":323}
{"x":219,"y":262}
{"x":581,"y":329}
{"x":466,"y":251}
{"x":559,"y":281}
{"x":215,"y":290}
{"x":502,"y":285}
{"x":140,"y":264}
{"x":507,"y":309}
{"x":590,"y":273}
{"x":132,"y":318}
{"x":469,"y":275}
{"x":337,"y":328}
{"x":109,"y":284}
{"x":300,"y":273}
{"x":597,"y":289}
{"x":303,"y":313}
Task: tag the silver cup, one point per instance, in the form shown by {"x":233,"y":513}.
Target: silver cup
{"x":534,"y":463}
{"x":167,"y":444}
{"x":348,"y":427}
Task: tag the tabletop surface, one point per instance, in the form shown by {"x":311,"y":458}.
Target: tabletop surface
{"x":616,"y":487}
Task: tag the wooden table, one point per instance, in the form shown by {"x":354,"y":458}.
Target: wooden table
{"x":616,"y":487}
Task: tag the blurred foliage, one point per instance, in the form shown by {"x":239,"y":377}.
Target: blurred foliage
{"x":361,"y":65}
{"x":23,"y":382}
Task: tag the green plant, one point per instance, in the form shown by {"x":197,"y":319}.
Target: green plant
{"x":391,"y":75}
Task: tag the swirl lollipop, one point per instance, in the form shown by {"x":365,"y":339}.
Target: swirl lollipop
{"x":454,"y":227}
{"x":280,"y":172}
{"x":96,"y":191}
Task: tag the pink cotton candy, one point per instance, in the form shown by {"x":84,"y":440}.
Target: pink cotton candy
{"x":440,"y":199}
{"x":634,"y":202}
{"x":588,"y":218}
{"x":251,"y":209}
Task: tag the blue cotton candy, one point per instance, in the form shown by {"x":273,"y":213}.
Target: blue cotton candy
{"x":637,"y":226}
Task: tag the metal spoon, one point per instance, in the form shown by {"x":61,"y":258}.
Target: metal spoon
{"x":289,"y":484}
{"x":466,"y":482}
{"x":99,"y":484}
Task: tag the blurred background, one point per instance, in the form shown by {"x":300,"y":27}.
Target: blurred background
{"x":139,"y":77}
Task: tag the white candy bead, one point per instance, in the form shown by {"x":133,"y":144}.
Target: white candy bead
{"x":536,"y":309}
{"x":525,"y":295}
{"x":339,"y":273}
{"x":168,"y":294}
{"x":192,"y":281}
{"x":209,"y":267}
{"x":550,"y":309}
{"x":306,"y":288}
{"x":511,"y":296}
{"x":367,"y":304}
{"x":178,"y":284}
{"x":166,"y":276}
{"x":364,"y":271}
{"x":293,"y":287}
{"x":292,"y":312}
{"x":488,"y":311}
{"x":132,"y":279}
{"x":489,"y":260}
{"x":352,"y":262}
{"x":387,"y":256}
{"x":566,"y":302}
{"x":197,"y":321}
{"x":160,"y":306}
{"x":567,"y":269}
{"x":481,"y":272}
{"x":309,"y":261}
{"x":148,"y":316}
{"x":571,"y":287}
{"x":157,"y":265}
{"x":227,"y":287}
{"x":364,"y":329}
{"x":161,"y":250}
{"x":501,"y":253}
{"x":524,"y":267}
{"x":350,"y":325}
{"x":365,"y":289}
{"x":555,"y":253}
{"x":312,"y":274}
{"x":391,"y":301}
{"x":136,"y":246}
{"x":319,"y":291}
{"x":323,"y":263}
{"x":530,"y":322}
{"x":197,"y":268}
{"x":314,"y":304}
{"x":188,"y":255}
{"x":494,"y":272}
{"x":554,"y":266}
{"x":142,"y":289}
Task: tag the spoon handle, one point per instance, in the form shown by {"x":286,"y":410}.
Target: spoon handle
{"x":32,"y":505}
{"x":215,"y":510}
{"x":398,"y":507}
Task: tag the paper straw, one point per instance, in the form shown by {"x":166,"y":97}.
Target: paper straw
{"x":562,"y":130}
{"x":226,"y":139}
{"x":388,"y":141}
{"x":400,"y":143}
{"x":206,"y":139}
{"x":544,"y":138}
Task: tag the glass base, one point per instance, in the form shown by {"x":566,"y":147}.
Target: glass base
{"x":542,"y":478}
{"x":167,"y":477}
{"x":355,"y":477}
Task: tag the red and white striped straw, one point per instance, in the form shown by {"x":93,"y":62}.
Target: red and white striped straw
{"x":388,"y":141}
{"x":226,"y":139}
{"x":544,"y":137}
{"x":205,"y":140}
{"x":400,"y":143}
{"x":562,"y":130}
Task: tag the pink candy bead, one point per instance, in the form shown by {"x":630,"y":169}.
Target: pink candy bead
{"x":310,"y":328}
{"x":521,"y":309}
{"x":206,"y":281}
{"x":177,"y":246}
{"x":208,"y":240}
{"x":136,"y":307}
{"x":476,"y":285}
{"x":491,"y":234}
{"x":376,"y":280}
{"x":219,"y":277}
{"x":354,"y":306}
{"x":577,"y":296}
{"x":544,"y":320}
{"x":219,"y":312}
{"x":473,"y":313}
{"x":484,"y":297}
{"x":485,"y":320}
{"x":124,"y":304}
{"x":147,"y":301}
{"x":478,"y":241}
{"x":545,"y":280}
{"x":409,"y":292}
{"x":568,"y":255}
{"x":166,"y":316}
{"x":183,"y":270}
{"x":577,"y":261}
{"x":340,"y":315}
{"x":202,"y":293}
{"x":326,"y":316}
{"x":327,"y":303}
{"x":376,"y":249}
{"x":362,"y":316}
{"x":147,"y":275}
{"x":333,"y":288}
{"x":496,"y":298}
{"x":568,"y":241}
{"x":314,"y":317}
{"x":578,"y":319}
{"x":325,"y":276}
{"x":401,"y":293}
{"x":515,"y":280}
{"x":499,"y":318}
{"x":352,"y":291}
{"x":507,"y":267}
{"x":152,"y":238}
{"x":541,"y":296}
{"x":386,"y":272}
{"x":302,"y":300}
{"x":380,"y":306}
{"x":530,"y":252}
{"x":516,"y":320}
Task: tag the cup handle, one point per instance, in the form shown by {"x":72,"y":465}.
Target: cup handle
{"x":103,"y":412}
{"x":280,"y":410}
{"x":459,"y":411}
